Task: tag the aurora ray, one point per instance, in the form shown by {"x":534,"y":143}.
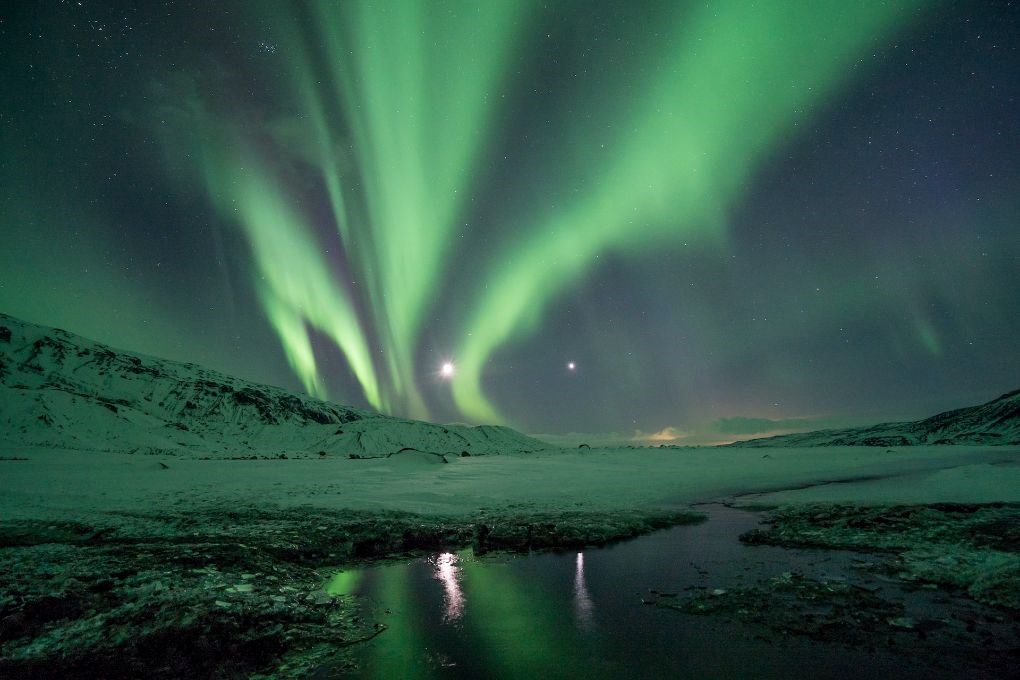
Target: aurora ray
{"x":293,"y":281}
{"x":371,"y":73}
{"x":713,"y":108}
{"x":712,"y":209}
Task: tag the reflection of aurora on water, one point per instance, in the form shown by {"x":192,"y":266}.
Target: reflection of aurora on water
{"x":448,"y":573}
{"x":532,"y":615}
{"x":583,"y":606}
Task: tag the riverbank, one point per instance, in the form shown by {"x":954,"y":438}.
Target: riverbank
{"x":166,"y":566}
{"x":691,"y":601}
{"x":231,"y":592}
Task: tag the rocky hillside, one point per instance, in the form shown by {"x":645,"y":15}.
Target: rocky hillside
{"x":61,"y":390}
{"x":996,"y":422}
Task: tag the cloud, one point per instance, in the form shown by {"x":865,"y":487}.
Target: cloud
{"x":666,"y":434}
{"x":721,"y":431}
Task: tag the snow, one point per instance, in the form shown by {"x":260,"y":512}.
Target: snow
{"x":54,"y":483}
{"x":995,"y":422}
{"x":106,"y":431}
{"x":64,"y":391}
{"x":151,"y":495}
{"x":973,"y":483}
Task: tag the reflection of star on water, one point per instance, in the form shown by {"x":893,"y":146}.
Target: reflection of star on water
{"x":448,"y":572}
{"x":583,"y":606}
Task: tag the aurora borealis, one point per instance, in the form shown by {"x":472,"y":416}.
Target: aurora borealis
{"x":723,"y":216}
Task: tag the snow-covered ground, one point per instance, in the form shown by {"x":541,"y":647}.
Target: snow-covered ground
{"x":105,"y":430}
{"x":149,"y":508}
{"x":117,"y":561}
{"x":73,"y":484}
{"x":102,"y":434}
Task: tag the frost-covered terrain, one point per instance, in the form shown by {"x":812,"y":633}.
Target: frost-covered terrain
{"x":996,"y":422}
{"x":159,"y":519}
{"x":63,"y":391}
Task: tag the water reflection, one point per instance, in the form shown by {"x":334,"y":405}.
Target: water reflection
{"x":583,"y":607}
{"x":534,"y":616}
{"x":449,"y":573}
{"x":516,"y":624}
{"x":343,"y":583}
{"x":402,"y":654}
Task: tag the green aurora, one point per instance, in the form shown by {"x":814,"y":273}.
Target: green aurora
{"x":384,"y":187}
{"x":417,"y":117}
{"x":700,"y":124}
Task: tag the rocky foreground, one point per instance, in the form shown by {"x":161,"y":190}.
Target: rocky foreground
{"x":232,"y":593}
{"x":938,"y":581}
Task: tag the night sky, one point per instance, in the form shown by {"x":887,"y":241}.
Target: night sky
{"x":658,"y":221}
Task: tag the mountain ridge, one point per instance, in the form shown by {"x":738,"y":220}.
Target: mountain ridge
{"x":995,"y":422}
{"x":62,"y":390}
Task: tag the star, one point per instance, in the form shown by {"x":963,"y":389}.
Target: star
{"x":447,"y":370}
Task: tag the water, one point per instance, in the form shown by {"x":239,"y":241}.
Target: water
{"x":581,"y":614}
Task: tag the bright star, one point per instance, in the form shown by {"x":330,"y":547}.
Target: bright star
{"x":447,"y":370}
{"x":571,"y":366}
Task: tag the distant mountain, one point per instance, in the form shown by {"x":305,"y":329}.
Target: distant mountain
{"x":997,"y":422}
{"x":61,"y":390}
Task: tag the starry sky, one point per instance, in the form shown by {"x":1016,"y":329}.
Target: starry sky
{"x":676,"y":222}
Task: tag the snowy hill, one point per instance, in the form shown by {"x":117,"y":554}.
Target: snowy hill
{"x":996,"y":422}
{"x":61,"y":390}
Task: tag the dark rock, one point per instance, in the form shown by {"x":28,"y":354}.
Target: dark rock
{"x":12,"y":627}
{"x":481,"y":537}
